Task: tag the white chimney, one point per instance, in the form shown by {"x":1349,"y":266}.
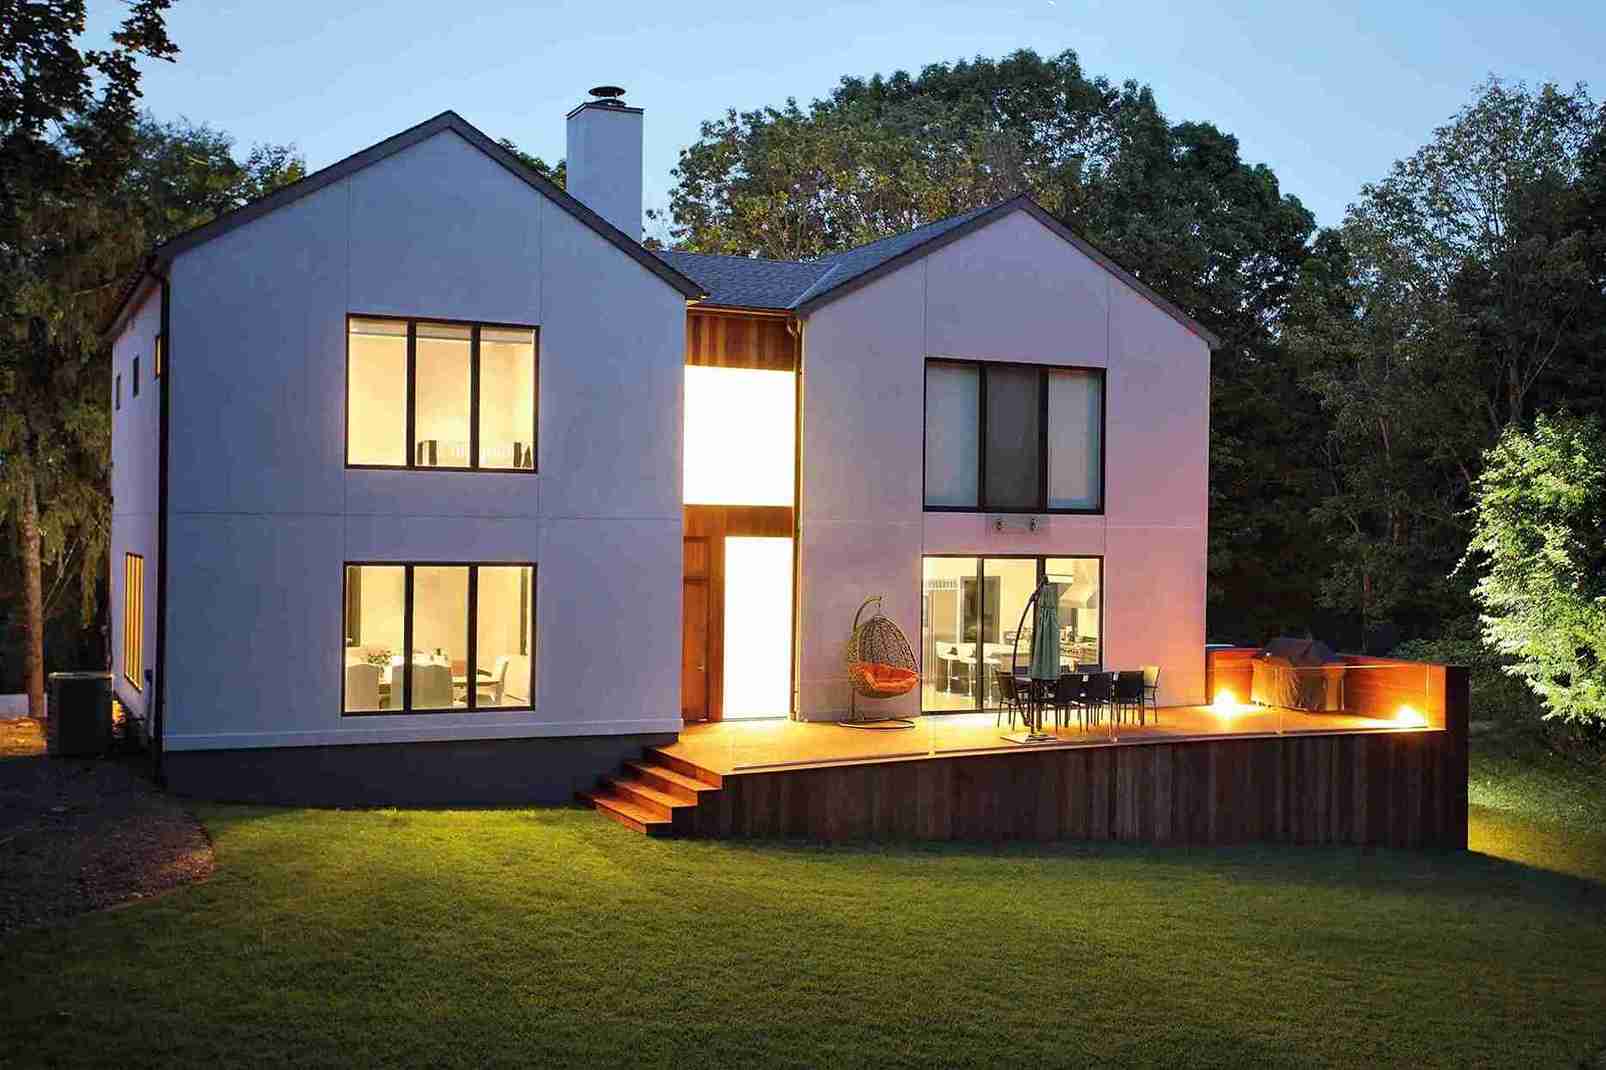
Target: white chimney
{"x":604,"y":158}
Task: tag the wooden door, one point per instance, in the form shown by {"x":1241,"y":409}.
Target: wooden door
{"x":695,"y":604}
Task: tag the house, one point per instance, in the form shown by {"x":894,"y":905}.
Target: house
{"x":432,"y":484}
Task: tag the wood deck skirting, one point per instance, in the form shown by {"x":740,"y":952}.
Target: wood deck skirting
{"x":1385,"y":789}
{"x":1384,"y":786}
{"x":1392,"y":789}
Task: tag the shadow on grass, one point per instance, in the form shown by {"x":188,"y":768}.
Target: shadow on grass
{"x":1426,"y":874}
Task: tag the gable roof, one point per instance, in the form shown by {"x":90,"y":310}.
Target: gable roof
{"x":163,"y":254}
{"x":803,"y":286}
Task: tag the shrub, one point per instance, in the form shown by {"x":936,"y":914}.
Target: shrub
{"x":1538,"y":549}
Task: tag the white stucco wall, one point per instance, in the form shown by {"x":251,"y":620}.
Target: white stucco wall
{"x":264,"y":513}
{"x":135,"y":449}
{"x":1012,"y":291}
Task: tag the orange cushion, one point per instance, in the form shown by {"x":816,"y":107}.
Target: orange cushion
{"x":892,"y":679}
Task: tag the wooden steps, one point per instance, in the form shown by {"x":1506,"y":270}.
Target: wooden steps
{"x":657,"y":796}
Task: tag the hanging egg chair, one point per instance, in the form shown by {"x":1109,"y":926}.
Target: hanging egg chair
{"x":880,"y":664}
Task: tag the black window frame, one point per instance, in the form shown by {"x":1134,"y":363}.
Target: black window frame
{"x":981,"y":626}
{"x":470,"y":655}
{"x":135,"y":381}
{"x":117,"y":392}
{"x":1042,"y":508}
{"x":412,"y":323}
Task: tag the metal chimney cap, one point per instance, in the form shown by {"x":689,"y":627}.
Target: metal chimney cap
{"x":609,"y":92}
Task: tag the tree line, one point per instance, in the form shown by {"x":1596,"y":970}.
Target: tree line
{"x":1366,"y":371}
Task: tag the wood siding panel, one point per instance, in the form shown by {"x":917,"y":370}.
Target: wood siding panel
{"x":733,"y":340}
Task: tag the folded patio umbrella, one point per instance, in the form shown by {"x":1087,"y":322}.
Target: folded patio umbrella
{"x":1046,"y":634}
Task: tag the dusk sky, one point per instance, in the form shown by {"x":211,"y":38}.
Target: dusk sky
{"x":1327,"y":94}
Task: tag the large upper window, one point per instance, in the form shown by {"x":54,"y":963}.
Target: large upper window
{"x":470,"y":631}
{"x":424,"y":394}
{"x":1014,"y":438}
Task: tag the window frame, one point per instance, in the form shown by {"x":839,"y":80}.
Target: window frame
{"x":470,"y":655}
{"x":1042,"y":508}
{"x":136,"y":376}
{"x":474,"y":326}
{"x":981,"y":588}
{"x":117,"y":392}
{"x":134,"y":617}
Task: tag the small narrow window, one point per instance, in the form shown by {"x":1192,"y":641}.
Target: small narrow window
{"x":134,"y":620}
{"x":117,"y":391}
{"x":136,"y":377}
{"x":157,"y":355}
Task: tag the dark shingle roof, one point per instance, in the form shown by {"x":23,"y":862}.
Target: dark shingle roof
{"x":802,"y":286}
{"x":743,"y":281}
{"x":748,"y":282}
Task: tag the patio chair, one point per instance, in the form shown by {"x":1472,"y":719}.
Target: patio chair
{"x":1010,"y":699}
{"x":1067,"y":695}
{"x":1097,"y":693}
{"x":1151,"y":689}
{"x":1128,"y":694}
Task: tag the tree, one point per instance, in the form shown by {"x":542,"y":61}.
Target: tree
{"x":1172,"y":203}
{"x":183,"y":174}
{"x":66,"y":132}
{"x":1472,"y":295}
{"x":1538,"y":547}
{"x":557,"y":173}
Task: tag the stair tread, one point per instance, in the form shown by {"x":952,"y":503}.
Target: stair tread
{"x":606,"y":800}
{"x":685,"y":767}
{"x":622,"y":786}
{"x":666,"y":773}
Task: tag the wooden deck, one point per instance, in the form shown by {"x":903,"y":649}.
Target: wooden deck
{"x":739,"y":746}
{"x":1197,"y":776}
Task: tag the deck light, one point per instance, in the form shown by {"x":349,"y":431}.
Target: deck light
{"x":1408,"y":717}
{"x":1225,"y":704}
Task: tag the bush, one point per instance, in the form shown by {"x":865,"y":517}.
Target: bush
{"x":1539,"y":551}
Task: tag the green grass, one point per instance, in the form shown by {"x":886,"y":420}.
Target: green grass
{"x":553,"y":937}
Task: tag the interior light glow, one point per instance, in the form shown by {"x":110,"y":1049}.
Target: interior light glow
{"x":758,"y":627}
{"x":1225,"y":704}
{"x":739,"y":436}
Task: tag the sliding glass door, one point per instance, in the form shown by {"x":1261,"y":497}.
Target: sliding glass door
{"x":972,"y":628}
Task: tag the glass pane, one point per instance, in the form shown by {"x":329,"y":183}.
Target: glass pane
{"x":376,"y":393}
{"x":507,"y":398}
{"x":504,"y":636}
{"x":376,"y":602}
{"x":1080,"y":612}
{"x":442,"y":381}
{"x":758,"y":627}
{"x":950,"y":620}
{"x":952,"y":433}
{"x":1008,"y":583}
{"x":440,"y":636}
{"x":740,"y":432}
{"x":1014,"y":446}
{"x":1075,"y":448}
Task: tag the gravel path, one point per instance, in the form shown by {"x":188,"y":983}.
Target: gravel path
{"x":84,"y":834}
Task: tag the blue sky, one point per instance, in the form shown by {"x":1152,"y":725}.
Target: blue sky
{"x":1327,"y":94}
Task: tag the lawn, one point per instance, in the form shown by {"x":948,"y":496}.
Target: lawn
{"x":553,"y":937}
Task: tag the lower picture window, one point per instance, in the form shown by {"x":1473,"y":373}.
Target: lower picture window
{"x":438,"y":638}
{"x":973,"y":627}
